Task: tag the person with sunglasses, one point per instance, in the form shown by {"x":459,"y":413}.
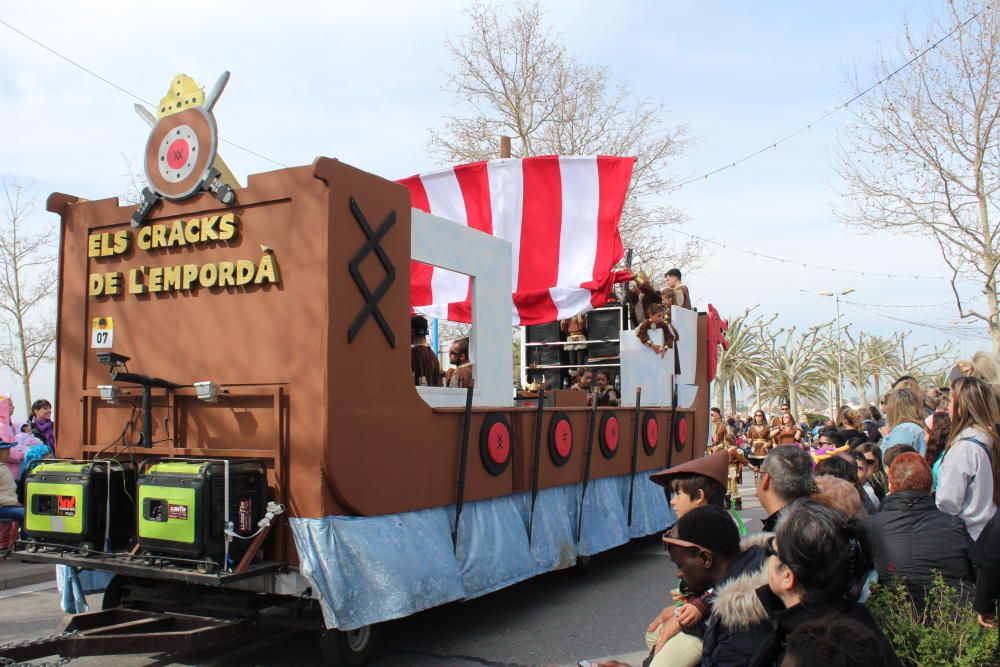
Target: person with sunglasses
{"x":706,"y":550}
{"x":759,"y":435}
{"x":876,"y":477}
{"x":818,"y":562}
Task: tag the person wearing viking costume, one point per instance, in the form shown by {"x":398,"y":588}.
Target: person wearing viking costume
{"x":759,"y":436}
{"x":423,"y":361}
{"x":575,"y":329}
{"x":641,"y":297}
{"x":460,"y":375}
{"x":788,"y":433}
{"x":682,"y":297}
{"x":658,"y":319}
{"x":736,"y":463}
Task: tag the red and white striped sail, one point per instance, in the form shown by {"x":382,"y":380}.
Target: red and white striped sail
{"x":560,"y":215}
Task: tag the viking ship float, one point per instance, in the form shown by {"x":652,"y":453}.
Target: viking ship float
{"x":233,"y":371}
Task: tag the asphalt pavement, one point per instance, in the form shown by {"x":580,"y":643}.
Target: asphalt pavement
{"x":555,"y":619}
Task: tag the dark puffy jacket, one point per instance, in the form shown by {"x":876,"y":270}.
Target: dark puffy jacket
{"x":986,"y":556}
{"x":771,"y":650}
{"x":913,"y":537}
{"x":738,"y":622}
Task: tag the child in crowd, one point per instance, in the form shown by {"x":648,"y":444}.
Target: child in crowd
{"x":678,"y":629}
{"x":10,"y":508}
{"x":42,"y":425}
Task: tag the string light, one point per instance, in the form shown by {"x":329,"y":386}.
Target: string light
{"x":843,"y":105}
{"x":804,"y":265}
{"x":121,"y":89}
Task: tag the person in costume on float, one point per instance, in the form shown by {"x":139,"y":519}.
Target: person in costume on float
{"x":641,"y":297}
{"x":584,"y":381}
{"x":682,"y":297}
{"x":657,"y":320}
{"x":605,"y":392}
{"x":575,"y":329}
{"x":759,"y":436}
{"x":788,"y":431}
{"x":41,"y":422}
{"x":423,"y":360}
{"x":675,"y":634}
{"x":460,"y":374}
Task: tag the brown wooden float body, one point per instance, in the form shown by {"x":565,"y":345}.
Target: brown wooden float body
{"x":338,"y":424}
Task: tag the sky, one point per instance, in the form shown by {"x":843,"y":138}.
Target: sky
{"x":364,"y":82}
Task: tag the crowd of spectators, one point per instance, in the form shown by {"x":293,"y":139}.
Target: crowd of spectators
{"x":21,"y":445}
{"x":867,"y":500}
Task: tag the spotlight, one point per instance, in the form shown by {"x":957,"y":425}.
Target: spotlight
{"x":208,"y":391}
{"x":109,"y":393}
{"x":112,"y":359}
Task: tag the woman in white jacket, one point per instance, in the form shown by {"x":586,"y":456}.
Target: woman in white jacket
{"x":969,"y":483}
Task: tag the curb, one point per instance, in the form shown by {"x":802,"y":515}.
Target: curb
{"x":17,"y":575}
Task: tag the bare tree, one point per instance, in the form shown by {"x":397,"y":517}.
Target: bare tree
{"x":922,"y":362}
{"x":519,"y":80}
{"x":28,"y":277}
{"x":922,"y":155}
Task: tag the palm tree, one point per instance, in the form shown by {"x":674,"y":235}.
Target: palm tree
{"x":790,"y":365}
{"x":865,"y":357}
{"x":738,"y":366}
{"x":885,"y":353}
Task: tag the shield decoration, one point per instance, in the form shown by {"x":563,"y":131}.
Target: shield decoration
{"x":180,"y":152}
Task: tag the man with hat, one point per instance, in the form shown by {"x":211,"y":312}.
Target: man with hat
{"x":423,"y":361}
{"x":9,"y":507}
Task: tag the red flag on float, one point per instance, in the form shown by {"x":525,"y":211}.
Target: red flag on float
{"x":560,"y":215}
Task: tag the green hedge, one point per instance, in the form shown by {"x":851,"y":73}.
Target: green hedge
{"x":943,"y":633}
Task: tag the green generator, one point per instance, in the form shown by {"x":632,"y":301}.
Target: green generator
{"x":182,"y":507}
{"x":83,"y":504}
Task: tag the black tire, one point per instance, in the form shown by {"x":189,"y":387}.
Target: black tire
{"x":114,"y":593}
{"x":350,"y":648}
{"x":582,"y":566}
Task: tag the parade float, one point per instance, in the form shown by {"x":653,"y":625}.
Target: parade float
{"x":235,"y":394}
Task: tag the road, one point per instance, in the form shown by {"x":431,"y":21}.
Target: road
{"x":555,"y":619}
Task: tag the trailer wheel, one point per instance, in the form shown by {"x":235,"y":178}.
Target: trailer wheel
{"x":348,"y":648}
{"x":114,"y":593}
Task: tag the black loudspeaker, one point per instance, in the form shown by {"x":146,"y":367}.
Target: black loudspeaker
{"x":604,"y":324}
{"x":543,"y":355}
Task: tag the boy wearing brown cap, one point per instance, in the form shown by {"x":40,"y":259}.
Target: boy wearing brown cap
{"x":695,"y":484}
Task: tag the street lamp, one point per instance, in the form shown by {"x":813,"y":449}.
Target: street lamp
{"x":840,"y":353}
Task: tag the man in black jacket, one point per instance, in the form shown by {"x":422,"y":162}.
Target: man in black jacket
{"x":913,"y":538}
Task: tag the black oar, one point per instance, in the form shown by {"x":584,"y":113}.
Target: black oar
{"x":462,"y":458}
{"x":672,"y":440}
{"x":586,"y":466}
{"x":536,"y":456}
{"x":635,"y":451}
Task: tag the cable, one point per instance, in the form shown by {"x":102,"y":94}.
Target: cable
{"x":805,"y":265}
{"x":843,"y":105}
{"x":120,"y":89}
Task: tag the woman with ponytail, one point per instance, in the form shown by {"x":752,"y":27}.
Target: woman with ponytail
{"x":969,"y":477}
{"x":818,"y":563}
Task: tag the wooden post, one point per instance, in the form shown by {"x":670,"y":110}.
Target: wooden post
{"x":504,"y":146}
